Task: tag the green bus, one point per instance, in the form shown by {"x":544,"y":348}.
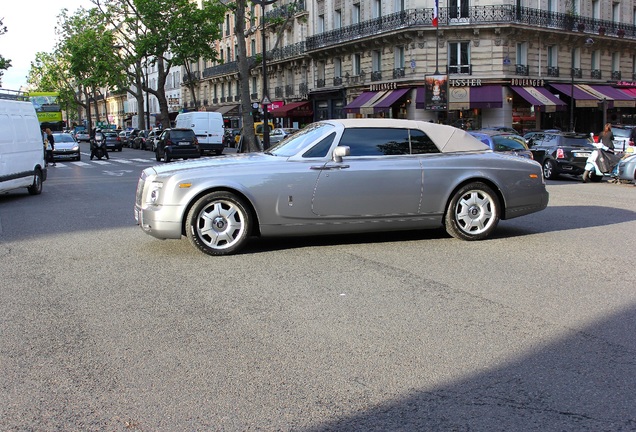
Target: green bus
{"x":48,"y":110}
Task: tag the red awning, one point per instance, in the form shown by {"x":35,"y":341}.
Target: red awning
{"x":294,"y":109}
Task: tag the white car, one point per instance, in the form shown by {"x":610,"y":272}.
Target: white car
{"x":621,"y":138}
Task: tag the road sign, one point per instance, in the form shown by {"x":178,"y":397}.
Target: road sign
{"x":266,"y":101}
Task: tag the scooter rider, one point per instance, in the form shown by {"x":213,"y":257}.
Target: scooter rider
{"x":96,"y":134}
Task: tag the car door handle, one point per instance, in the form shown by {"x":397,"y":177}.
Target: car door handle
{"x":328,"y":167}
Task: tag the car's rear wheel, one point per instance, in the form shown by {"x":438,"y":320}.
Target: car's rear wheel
{"x":550,"y":170}
{"x":219,"y":223}
{"x":36,"y":186}
{"x":473,"y":212}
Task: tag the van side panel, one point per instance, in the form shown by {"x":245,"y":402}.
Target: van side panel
{"x":207,"y":126}
{"x":21,"y":149}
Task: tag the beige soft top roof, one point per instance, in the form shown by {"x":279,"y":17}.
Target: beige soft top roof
{"x":447,"y":138}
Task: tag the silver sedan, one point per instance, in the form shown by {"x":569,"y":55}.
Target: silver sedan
{"x":341,"y":176}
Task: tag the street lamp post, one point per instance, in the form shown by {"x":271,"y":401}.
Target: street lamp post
{"x":265,"y":100}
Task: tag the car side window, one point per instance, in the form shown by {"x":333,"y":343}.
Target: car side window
{"x":322,"y":148}
{"x":421,"y":143}
{"x":376,"y":141}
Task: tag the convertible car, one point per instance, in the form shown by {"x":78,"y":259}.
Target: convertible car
{"x":341,"y":176}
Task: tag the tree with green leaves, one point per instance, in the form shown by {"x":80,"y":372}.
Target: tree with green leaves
{"x":166,"y":33}
{"x":4,"y":63}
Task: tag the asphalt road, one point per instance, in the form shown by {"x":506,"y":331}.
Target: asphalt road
{"x":105,"y":328}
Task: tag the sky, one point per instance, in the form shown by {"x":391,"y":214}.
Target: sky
{"x":30,"y":29}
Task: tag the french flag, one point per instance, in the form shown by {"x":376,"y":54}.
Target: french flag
{"x":435,"y":13}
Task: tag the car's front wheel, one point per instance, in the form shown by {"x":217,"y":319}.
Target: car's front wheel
{"x":219,"y":223}
{"x":473,"y":212}
{"x":550,"y":170}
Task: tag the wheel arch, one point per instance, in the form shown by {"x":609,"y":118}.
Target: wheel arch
{"x":487,"y":182}
{"x":255,"y":226}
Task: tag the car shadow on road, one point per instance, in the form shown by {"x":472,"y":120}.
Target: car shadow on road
{"x":582,"y":382}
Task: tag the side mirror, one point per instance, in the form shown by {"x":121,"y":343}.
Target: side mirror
{"x":341,"y":151}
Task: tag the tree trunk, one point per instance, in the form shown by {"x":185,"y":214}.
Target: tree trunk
{"x":248,"y":136}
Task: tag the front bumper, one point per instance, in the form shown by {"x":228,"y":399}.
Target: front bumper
{"x":162,"y":222}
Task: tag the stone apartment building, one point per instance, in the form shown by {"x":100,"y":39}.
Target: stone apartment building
{"x":523,"y":63}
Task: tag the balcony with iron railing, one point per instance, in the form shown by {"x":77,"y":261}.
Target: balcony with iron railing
{"x":320,"y":83}
{"x":596,"y":74}
{"x":553,"y":71}
{"x":499,"y":15}
{"x":577,"y":73}
{"x":285,"y":10}
{"x":616,"y":75}
{"x":460,"y":69}
{"x":522,"y":70}
{"x":279,"y":92}
{"x":337,"y":81}
{"x":376,"y":75}
{"x":398,"y":73}
{"x":289,"y":90}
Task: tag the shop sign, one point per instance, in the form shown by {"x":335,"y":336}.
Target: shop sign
{"x":475,"y":82}
{"x":525,"y":82}
{"x":383,"y":86}
{"x":626,"y":83}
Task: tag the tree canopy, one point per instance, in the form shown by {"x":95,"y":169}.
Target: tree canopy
{"x":4,"y":63}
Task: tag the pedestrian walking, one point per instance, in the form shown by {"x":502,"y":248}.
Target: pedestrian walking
{"x":50,"y":146}
{"x":607,"y":137}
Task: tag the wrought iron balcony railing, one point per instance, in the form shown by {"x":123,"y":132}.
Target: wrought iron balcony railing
{"x":289,"y":9}
{"x":476,"y":15}
{"x":289,"y":90}
{"x":337,"y":81}
{"x":460,"y":69}
{"x":398,"y":73}
{"x":577,"y":73}
{"x":596,"y":74}
{"x":616,"y":75}
{"x":279,"y":92}
{"x":553,"y":71}
{"x":376,"y":76}
{"x":320,"y":83}
{"x":303,"y":89}
{"x":522,"y":70}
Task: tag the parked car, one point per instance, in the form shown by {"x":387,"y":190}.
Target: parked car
{"x":341,"y":176}
{"x":626,"y":168}
{"x":531,"y":136}
{"x":562,"y":153}
{"x":280,"y":134}
{"x":152,"y":139}
{"x":112,"y":141}
{"x":139,"y":139}
{"x":124,"y":137}
{"x":504,"y":142}
{"x":621,"y":141}
{"x":177,"y":143}
{"x":66,"y":148}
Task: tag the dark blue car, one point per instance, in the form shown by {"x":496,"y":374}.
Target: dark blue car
{"x":504,"y":142}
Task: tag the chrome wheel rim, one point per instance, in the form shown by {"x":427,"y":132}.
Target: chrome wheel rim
{"x":547,"y":170}
{"x":475,"y":212}
{"x":220,"y":224}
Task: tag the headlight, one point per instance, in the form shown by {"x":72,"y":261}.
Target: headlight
{"x":154,"y":192}
{"x":75,"y":148}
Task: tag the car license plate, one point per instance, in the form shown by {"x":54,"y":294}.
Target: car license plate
{"x":581,"y":155}
{"x":184,"y":143}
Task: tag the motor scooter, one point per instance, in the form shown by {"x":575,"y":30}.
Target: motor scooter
{"x":98,"y":147}
{"x":600,"y":163}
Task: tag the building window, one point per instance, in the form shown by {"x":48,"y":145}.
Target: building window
{"x":377,"y":8}
{"x":355,"y":14}
{"x":253,"y":47}
{"x":227,"y":25}
{"x":458,"y":9}
{"x":596,"y":9}
{"x":357,"y":67}
{"x":337,"y":19}
{"x":252,"y":15}
{"x":616,"y":12}
{"x":399,"y":5}
{"x":320,"y":24}
{"x":553,"y":61}
{"x":458,"y":57}
{"x":337,"y":67}
{"x":398,"y":57}
{"x":616,"y":62}
{"x":596,"y":59}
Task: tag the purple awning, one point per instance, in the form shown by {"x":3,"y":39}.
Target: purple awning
{"x":583,"y":99}
{"x":540,"y":97}
{"x":387,"y":101}
{"x":420,"y":98}
{"x":614,"y":97}
{"x":354,"y":106}
{"x":488,"y":96}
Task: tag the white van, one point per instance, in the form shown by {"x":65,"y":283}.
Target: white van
{"x":207,"y":126}
{"x":21,"y":147}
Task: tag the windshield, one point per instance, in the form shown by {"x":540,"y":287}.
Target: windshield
{"x":301,"y":139}
{"x":63,"y":138}
{"x":177,"y":135}
{"x":508,"y":143}
{"x":577,"y":142}
{"x":620,"y":132}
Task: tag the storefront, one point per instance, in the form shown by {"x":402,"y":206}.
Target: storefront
{"x":380,"y":101}
{"x":295,"y":114}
